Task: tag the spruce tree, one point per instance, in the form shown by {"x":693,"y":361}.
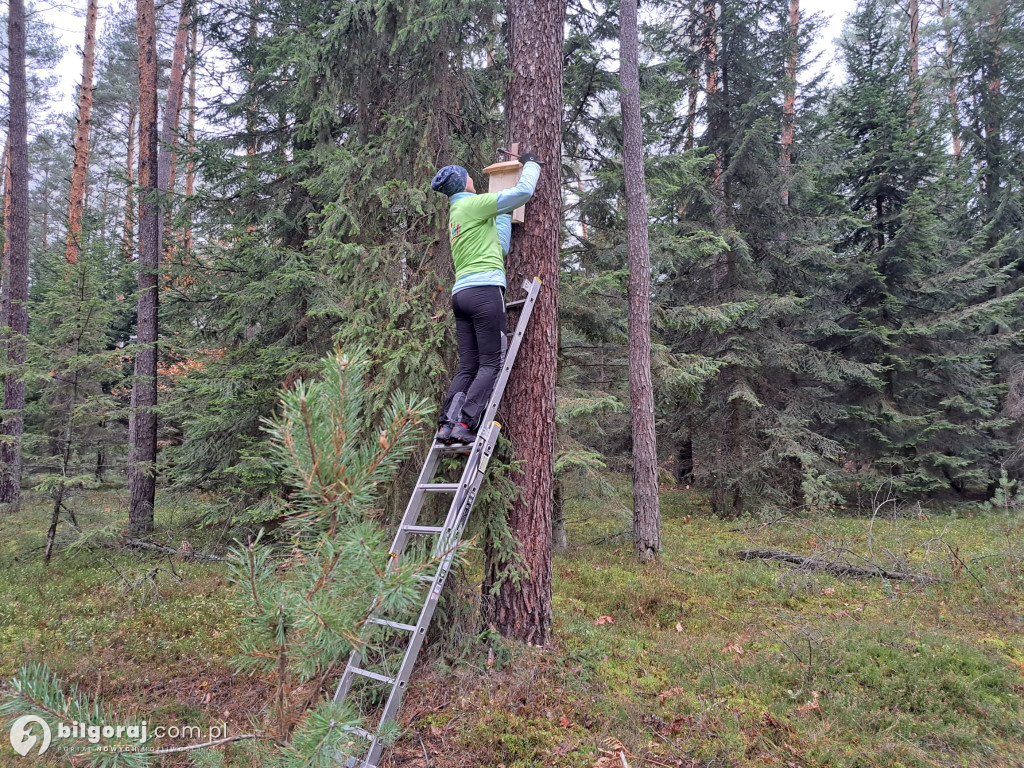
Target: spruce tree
{"x":917,"y":293}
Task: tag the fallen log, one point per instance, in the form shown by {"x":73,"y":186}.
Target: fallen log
{"x":185,"y":553}
{"x":838,"y":569}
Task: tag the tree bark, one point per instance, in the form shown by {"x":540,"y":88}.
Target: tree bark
{"x":15,"y":301}
{"x":521,"y":609}
{"x":190,"y":175}
{"x":128,"y":240}
{"x":81,"y":163}
{"x":172,"y":117}
{"x":6,"y":163}
{"x":142,"y":420}
{"x":646,"y":506}
{"x":5,"y":266}
{"x":789,"y":101}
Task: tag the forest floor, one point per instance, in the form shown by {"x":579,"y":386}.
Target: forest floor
{"x":702,"y":659}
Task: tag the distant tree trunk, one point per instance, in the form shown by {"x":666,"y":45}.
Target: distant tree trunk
{"x":128,"y":240}
{"x":992,"y":104}
{"x":646,"y":506}
{"x":913,"y":44}
{"x":684,"y":454}
{"x":15,"y":303}
{"x":5,"y":161}
{"x":190,"y":175}
{"x":81,"y":164}
{"x":533,"y":114}
{"x":693,"y":37}
{"x":104,"y":208}
{"x":172,"y":116}
{"x":559,"y":536}
{"x":5,"y":266}
{"x":954,"y":107}
{"x":142,"y":420}
{"x":46,"y":206}
{"x":789,"y":100}
{"x":914,"y":14}
{"x":720,"y":261}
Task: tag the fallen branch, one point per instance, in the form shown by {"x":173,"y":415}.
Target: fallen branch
{"x":189,"y":555}
{"x":839,"y":569}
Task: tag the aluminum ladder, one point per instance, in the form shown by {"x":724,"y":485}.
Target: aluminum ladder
{"x":445,"y":547}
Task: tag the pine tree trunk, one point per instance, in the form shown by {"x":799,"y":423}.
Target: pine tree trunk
{"x":646,"y":507}
{"x":190,"y":175}
{"x":5,"y":162}
{"x":720,"y":261}
{"x":954,"y":107}
{"x":694,"y":37}
{"x":533,"y":113}
{"x":46,"y":207}
{"x":128,"y":240}
{"x":993,"y":108}
{"x":142,"y":420}
{"x":914,"y":14}
{"x":104,"y":208}
{"x":913,"y":44}
{"x":789,"y":101}
{"x":81,"y":163}
{"x":5,"y":265}
{"x":172,"y":117}
{"x":559,"y":535}
{"x":15,"y":303}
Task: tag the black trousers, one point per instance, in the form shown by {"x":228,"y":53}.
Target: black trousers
{"x":480,"y":324}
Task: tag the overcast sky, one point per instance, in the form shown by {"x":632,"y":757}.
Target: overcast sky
{"x":70,"y":26}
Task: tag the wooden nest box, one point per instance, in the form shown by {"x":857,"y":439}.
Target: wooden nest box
{"x":505,"y":175}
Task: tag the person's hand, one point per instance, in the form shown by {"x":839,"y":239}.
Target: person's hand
{"x":529,"y":157}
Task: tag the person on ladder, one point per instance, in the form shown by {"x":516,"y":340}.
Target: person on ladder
{"x":480,"y":233}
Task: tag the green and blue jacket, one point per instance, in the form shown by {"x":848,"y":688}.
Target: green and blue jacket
{"x":480,"y":231}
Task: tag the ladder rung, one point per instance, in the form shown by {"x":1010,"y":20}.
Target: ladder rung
{"x":372,"y":675}
{"x":518,"y":303}
{"x":424,"y":578}
{"x":426,"y":530}
{"x":392,"y":624}
{"x":439,"y":487}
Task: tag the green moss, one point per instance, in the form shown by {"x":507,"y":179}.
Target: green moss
{"x":706,"y":658}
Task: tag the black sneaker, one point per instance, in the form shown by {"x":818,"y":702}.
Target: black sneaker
{"x":462,"y":435}
{"x":444,"y":433}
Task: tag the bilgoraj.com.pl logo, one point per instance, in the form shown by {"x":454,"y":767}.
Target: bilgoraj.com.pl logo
{"x":23,"y":736}
{"x":32,"y":734}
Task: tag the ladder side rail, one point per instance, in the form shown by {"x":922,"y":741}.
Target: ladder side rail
{"x":401,"y":537}
{"x":412,"y":511}
{"x":455,"y":523}
{"x":426,"y":614}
